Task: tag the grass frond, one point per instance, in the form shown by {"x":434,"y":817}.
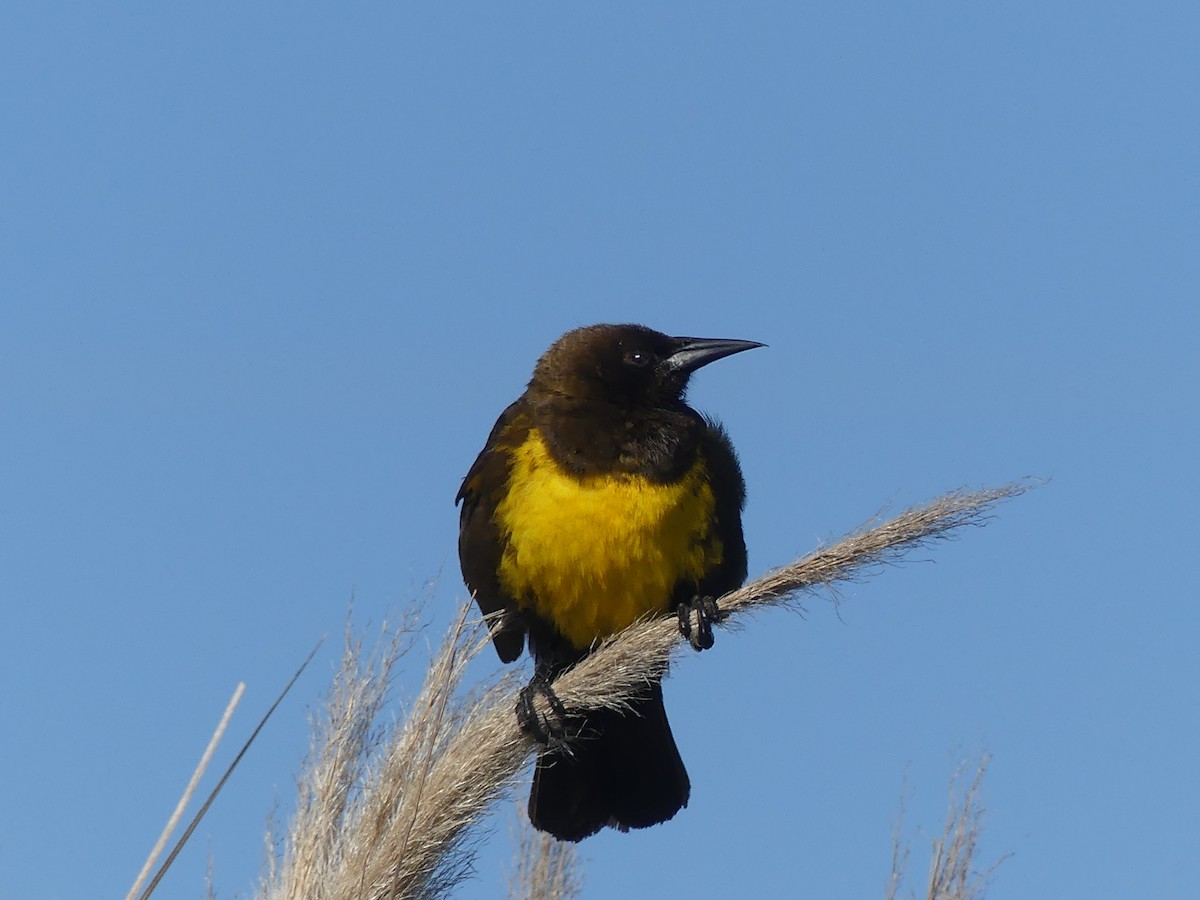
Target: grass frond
{"x":546,"y":868}
{"x":387,"y":811}
{"x":954,"y":866}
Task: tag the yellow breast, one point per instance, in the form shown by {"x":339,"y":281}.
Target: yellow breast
{"x":594,"y":554}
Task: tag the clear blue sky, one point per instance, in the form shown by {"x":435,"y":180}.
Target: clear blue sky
{"x":270,"y":271}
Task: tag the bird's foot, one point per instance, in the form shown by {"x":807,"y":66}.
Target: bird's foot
{"x":696,"y":618}
{"x":544,"y":727}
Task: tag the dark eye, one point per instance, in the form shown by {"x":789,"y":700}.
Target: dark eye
{"x":639,"y":359}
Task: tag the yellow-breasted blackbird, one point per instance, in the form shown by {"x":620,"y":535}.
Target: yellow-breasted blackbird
{"x":600,"y":497}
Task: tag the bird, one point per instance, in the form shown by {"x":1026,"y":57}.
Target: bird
{"x":601,"y":497}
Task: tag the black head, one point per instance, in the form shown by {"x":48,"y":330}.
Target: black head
{"x":628,"y":365}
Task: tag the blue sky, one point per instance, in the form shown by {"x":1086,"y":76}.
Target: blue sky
{"x":270,"y":272}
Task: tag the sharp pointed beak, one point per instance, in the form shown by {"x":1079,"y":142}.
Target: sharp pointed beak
{"x":692,"y":353}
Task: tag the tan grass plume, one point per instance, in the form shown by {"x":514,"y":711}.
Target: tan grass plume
{"x":387,"y":812}
{"x":955,"y":871}
{"x":547,"y":868}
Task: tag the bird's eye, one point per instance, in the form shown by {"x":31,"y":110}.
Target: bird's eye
{"x":638,"y":359}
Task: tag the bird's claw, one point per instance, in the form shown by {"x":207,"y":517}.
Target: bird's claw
{"x":543,"y":727}
{"x":705,"y":611}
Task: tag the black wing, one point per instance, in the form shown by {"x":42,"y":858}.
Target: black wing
{"x":480,"y":543}
{"x":729,"y":492}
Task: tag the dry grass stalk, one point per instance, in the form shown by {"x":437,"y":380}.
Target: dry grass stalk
{"x":900,"y":850}
{"x":381,"y":813}
{"x":173,"y":821}
{"x":343,"y":741}
{"x":385,"y":816}
{"x":547,"y":869}
{"x":954,"y":872}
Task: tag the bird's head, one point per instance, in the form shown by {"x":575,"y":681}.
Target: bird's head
{"x":626,"y":365}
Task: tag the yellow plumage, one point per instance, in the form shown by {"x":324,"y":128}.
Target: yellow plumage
{"x":594,"y":554}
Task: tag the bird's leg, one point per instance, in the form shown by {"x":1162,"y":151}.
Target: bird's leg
{"x":542,"y":728}
{"x":706,"y":612}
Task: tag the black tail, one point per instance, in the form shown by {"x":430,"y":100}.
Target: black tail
{"x":623,"y":771}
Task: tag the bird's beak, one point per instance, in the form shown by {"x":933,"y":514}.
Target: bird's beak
{"x":692,"y":353}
